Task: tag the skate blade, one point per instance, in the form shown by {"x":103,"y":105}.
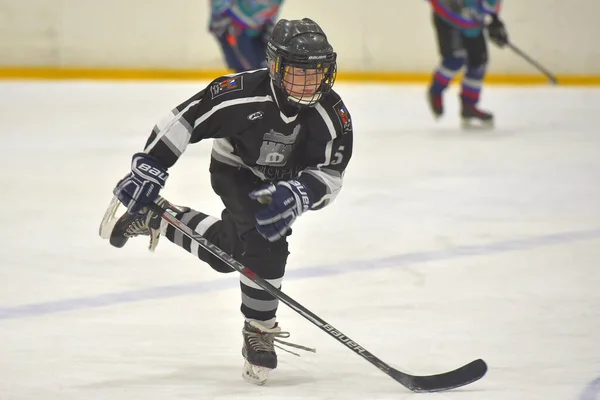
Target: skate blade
{"x":255,"y":374}
{"x":470,"y":124}
{"x":109,"y":220}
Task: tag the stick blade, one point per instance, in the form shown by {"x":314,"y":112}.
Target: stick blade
{"x":462,"y":376}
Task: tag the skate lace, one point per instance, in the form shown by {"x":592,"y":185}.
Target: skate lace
{"x":137,"y":227}
{"x":265,"y":339}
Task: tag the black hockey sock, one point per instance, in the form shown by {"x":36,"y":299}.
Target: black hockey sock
{"x":209,"y":227}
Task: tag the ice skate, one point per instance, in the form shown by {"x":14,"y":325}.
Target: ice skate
{"x":473,"y":117}
{"x":145,"y":223}
{"x":436,"y":103}
{"x":259,"y":350}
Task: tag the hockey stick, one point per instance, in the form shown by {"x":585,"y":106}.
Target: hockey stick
{"x":233,"y":43}
{"x":464,"y":375}
{"x":531,"y":61}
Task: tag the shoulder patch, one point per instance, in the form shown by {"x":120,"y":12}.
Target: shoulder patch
{"x":343,"y":116}
{"x":226,"y":86}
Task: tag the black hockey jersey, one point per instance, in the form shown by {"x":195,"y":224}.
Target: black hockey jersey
{"x":243,"y":114}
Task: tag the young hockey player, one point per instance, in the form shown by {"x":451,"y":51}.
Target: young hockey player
{"x":459,"y":26}
{"x":280,"y":134}
{"x":242,"y":28}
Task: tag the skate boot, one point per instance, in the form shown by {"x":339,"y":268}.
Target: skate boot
{"x":473,"y":117}
{"x":145,"y":223}
{"x":259,"y":350}
{"x":436,"y":103}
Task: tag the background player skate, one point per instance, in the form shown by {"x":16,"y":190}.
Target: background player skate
{"x":282,"y":136}
{"x":242,"y":28}
{"x":459,"y":26}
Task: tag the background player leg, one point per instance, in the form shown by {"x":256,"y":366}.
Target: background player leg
{"x":453,"y":58}
{"x":472,"y":82}
{"x":231,"y":54}
{"x":252,"y":48}
{"x":244,"y":52}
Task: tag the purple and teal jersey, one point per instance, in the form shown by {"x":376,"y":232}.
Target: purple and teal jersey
{"x":248,"y":15}
{"x":466,"y":15}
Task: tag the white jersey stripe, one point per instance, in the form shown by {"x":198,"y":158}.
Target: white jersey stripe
{"x":330,"y":178}
{"x":167,"y":124}
{"x":332,"y":134}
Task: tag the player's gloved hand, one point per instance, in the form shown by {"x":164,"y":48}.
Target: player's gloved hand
{"x":141,"y":186}
{"x":497,"y":32}
{"x":286,"y":200}
{"x":227,"y":23}
{"x":219,"y":25}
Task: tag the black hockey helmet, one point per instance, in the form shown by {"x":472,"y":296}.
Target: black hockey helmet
{"x":301,"y":44}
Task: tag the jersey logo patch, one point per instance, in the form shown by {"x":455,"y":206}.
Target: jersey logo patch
{"x":227,"y":86}
{"x":343,"y":117}
{"x":277,"y":147}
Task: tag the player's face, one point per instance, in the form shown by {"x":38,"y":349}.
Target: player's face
{"x":302,"y":83}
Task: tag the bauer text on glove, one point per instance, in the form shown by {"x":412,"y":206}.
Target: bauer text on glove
{"x":286,"y":201}
{"x":141,"y":186}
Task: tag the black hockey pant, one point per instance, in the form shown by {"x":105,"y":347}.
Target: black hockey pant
{"x":235,"y":233}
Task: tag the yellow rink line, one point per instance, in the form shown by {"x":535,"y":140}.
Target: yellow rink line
{"x":124,"y":74}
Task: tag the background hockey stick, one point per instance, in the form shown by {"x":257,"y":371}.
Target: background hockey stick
{"x":233,"y":43}
{"x":534,"y":63}
{"x":464,"y":375}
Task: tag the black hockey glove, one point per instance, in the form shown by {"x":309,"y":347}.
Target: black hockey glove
{"x":286,"y":201}
{"x":140,"y":187}
{"x":497,"y":32}
{"x":220,"y":24}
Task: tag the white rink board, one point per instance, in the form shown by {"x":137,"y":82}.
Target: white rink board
{"x":385,"y":35}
